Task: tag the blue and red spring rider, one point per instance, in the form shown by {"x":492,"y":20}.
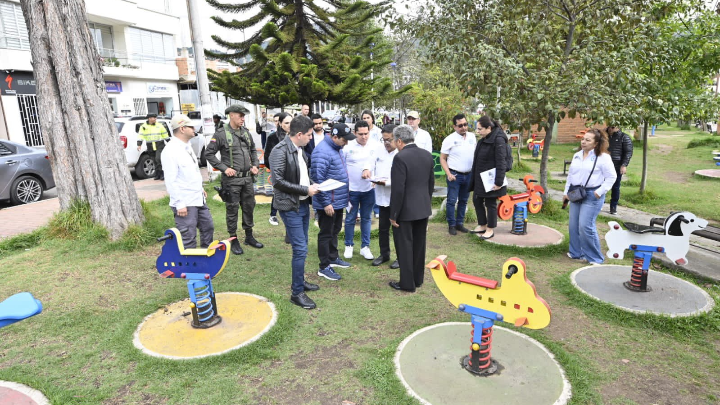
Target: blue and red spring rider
{"x":513,"y":300}
{"x":198,"y":267}
{"x":517,"y":206}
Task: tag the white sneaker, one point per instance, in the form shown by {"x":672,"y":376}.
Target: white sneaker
{"x":273,"y":221}
{"x":348,"y":252}
{"x":366,"y":253}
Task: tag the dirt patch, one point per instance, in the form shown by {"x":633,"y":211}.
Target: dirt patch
{"x":124,"y":396}
{"x":644,"y":386}
{"x":664,"y":149}
{"x":677,"y":177}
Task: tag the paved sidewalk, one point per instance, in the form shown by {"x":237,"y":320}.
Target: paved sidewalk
{"x":26,"y":218}
{"x":703,"y":257}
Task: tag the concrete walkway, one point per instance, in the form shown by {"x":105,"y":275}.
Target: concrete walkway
{"x":26,"y":218}
{"x":703,"y":257}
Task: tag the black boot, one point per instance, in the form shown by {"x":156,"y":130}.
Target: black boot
{"x":250,"y":240}
{"x":235,"y":247}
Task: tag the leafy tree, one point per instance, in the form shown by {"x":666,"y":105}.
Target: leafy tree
{"x":305,"y":51}
{"x":534,"y":62}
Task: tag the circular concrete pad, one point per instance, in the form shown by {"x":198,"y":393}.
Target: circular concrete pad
{"x":709,"y":173}
{"x":428,"y":364}
{"x":537,"y":236}
{"x":167,"y":333}
{"x":670,"y":295}
{"x":17,"y":394}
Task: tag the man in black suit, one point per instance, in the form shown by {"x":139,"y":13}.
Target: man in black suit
{"x":412,"y":181}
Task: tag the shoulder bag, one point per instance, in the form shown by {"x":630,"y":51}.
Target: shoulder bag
{"x":578,"y":193}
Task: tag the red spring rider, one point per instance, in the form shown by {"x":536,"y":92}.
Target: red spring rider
{"x":532,"y":143}
{"x":516,"y":206}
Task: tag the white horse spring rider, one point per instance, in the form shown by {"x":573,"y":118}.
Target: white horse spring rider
{"x":673,"y":237}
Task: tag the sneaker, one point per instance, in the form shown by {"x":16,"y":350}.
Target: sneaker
{"x":377,"y":216}
{"x":348,"y":252}
{"x":302,"y":300}
{"x":329,"y":274}
{"x":340,"y":263}
{"x":613,"y":210}
{"x":366,"y":253}
{"x":574,"y":258}
{"x":273,"y":221}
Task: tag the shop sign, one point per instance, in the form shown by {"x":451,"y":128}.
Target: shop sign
{"x":14,"y":83}
{"x":157,"y":89}
{"x":113,"y":87}
{"x":186,"y":108}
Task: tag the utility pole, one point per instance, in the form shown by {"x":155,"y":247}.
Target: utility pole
{"x":372,"y":77}
{"x":203,"y":84}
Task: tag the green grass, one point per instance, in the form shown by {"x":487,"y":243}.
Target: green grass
{"x":713,"y":141}
{"x":96,"y":292}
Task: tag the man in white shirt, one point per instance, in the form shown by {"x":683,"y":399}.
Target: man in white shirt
{"x":359,"y":156}
{"x":381,"y":168}
{"x":456,"y":158}
{"x":184,"y":184}
{"x":422,"y":137}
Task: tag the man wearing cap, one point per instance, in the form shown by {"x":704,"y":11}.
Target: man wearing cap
{"x":422,"y":137}
{"x":217,"y":120}
{"x":239,"y":164}
{"x":328,"y":163}
{"x":185,"y":185}
{"x":154,"y":134}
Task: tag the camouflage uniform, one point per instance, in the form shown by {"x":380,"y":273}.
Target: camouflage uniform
{"x":240,"y":187}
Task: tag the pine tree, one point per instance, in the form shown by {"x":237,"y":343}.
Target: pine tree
{"x":304,"y":52}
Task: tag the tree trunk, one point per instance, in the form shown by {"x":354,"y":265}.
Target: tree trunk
{"x":643,"y":181}
{"x":76,"y":120}
{"x":546,"y":154}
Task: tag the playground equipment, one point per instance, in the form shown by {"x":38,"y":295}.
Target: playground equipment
{"x":517,"y":206}
{"x":18,"y":307}
{"x":673,"y":239}
{"x":513,"y":300}
{"x":716,"y":157}
{"x":535,"y":146}
{"x":199,"y":267}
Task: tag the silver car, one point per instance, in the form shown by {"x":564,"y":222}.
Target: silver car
{"x":24,"y":173}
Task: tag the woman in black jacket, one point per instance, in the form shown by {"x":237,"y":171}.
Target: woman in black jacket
{"x":272,"y":140}
{"x":490,"y":153}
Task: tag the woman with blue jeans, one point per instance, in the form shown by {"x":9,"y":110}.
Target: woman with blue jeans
{"x":593,"y":168}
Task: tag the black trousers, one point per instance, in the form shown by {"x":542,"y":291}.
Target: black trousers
{"x":330,"y":227}
{"x":486,"y":211}
{"x":154,"y":150}
{"x":410,"y":240}
{"x":384,"y":231}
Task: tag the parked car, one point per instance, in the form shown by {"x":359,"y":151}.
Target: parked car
{"x":24,"y":173}
{"x":140,"y":161}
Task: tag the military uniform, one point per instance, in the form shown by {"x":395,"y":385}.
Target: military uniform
{"x":155,"y":136}
{"x":237,"y":151}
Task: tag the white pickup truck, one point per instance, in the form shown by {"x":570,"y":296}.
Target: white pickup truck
{"x":140,"y":161}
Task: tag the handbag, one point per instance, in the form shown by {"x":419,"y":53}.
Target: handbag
{"x":578,"y":193}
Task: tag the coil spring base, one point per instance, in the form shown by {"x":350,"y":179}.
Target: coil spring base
{"x":483,"y":372}
{"x":639,"y":275}
{"x":519,"y":219}
{"x":207,"y":324}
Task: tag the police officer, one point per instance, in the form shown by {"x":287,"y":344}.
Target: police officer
{"x":239,"y":165}
{"x":154,"y":134}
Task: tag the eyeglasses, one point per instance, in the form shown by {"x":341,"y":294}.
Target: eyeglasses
{"x":461,"y":125}
{"x":387,"y":141}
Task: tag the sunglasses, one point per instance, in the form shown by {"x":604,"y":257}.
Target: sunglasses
{"x":461,"y":125}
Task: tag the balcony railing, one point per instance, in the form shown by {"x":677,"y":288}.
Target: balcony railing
{"x":114,"y":58}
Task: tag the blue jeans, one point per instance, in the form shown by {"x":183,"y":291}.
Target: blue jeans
{"x":458,"y":192}
{"x":364,"y":201}
{"x":296,"y":226}
{"x":584,"y":238}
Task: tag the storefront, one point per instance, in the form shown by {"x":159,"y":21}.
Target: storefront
{"x":19,"y":107}
{"x":138,"y":97}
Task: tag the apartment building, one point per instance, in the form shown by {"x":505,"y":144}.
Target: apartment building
{"x":137,"y":40}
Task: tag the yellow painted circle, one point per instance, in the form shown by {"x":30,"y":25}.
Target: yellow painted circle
{"x":167,"y":333}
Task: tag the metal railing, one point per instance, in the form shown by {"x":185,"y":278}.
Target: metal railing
{"x":115,"y":58}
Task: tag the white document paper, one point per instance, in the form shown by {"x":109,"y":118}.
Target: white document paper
{"x":329,"y":185}
{"x":488,"y":179}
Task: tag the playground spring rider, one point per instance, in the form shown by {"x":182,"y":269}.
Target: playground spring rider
{"x":535,"y":146}
{"x":514,"y":301}
{"x":198,"y":266}
{"x":517,"y":206}
{"x":673,"y":239}
{"x":18,"y":307}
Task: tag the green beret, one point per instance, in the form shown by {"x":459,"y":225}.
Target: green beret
{"x":236,"y":108}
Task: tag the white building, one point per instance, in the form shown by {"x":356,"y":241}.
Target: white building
{"x":137,"y":40}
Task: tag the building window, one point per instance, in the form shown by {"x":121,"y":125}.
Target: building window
{"x":30,"y":119}
{"x":154,"y":47}
{"x":13,"y":32}
{"x":140,"y":105}
{"x":103,"y":37}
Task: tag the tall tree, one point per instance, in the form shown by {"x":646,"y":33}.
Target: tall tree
{"x":541,"y":60}
{"x":76,"y":120}
{"x":303,"y":52}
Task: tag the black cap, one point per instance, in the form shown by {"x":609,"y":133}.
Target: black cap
{"x":151,"y":115}
{"x":342,"y":131}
